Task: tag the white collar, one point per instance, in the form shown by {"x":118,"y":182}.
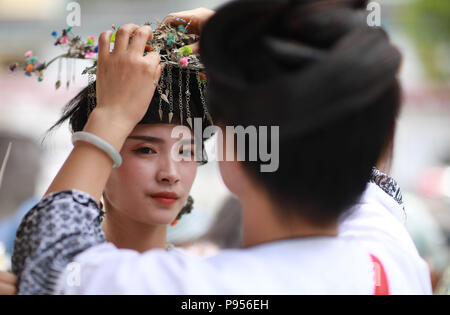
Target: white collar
{"x":376,"y":195}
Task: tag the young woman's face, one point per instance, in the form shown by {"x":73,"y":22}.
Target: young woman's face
{"x":150,"y":186}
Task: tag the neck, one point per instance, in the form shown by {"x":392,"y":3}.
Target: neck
{"x":262,"y":223}
{"x":144,"y":237}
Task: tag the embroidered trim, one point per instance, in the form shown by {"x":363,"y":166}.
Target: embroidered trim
{"x":388,"y":185}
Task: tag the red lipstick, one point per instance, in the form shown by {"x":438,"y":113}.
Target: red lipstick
{"x":166,"y":198}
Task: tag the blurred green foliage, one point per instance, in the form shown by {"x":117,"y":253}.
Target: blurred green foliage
{"x":427,"y":22}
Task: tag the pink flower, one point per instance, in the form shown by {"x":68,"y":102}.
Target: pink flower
{"x":28,"y":54}
{"x":89,"y":55}
{"x":184,"y":61}
{"x":64,"y":40}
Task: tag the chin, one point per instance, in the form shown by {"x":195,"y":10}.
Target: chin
{"x":159,"y":216}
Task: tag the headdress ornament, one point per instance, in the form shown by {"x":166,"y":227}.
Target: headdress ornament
{"x":171,"y":42}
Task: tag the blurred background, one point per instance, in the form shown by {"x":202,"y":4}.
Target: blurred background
{"x":420,"y":28}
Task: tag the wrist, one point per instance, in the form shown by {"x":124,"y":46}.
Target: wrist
{"x":109,"y":127}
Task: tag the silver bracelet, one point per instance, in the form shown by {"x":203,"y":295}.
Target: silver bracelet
{"x":99,"y":143}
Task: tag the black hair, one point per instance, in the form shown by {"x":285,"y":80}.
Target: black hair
{"x":77,"y":110}
{"x":319,"y":72}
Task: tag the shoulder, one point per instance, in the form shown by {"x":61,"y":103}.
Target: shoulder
{"x":377,"y":222}
{"x":287,"y":268}
{"x":105,"y":269}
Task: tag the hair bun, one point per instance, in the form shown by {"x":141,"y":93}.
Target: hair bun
{"x":303,"y":62}
{"x":291,"y":54}
{"x":240,"y":28}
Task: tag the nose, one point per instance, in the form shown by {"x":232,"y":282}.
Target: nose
{"x":168,"y":172}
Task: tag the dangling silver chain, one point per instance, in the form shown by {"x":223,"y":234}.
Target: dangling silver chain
{"x":68,"y":74}
{"x":169,"y":75}
{"x":201,"y":88}
{"x":188,"y":98}
{"x":201,"y":85}
{"x":160,"y":90}
{"x":74,"y":68}
{"x":58,"y":78}
{"x":180,"y":105}
{"x":91,"y":93}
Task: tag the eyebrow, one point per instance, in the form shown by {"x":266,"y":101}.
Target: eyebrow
{"x":147,"y":138}
{"x":159,"y":140}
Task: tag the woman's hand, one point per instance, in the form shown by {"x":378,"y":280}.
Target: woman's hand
{"x":8,"y":283}
{"x":125,"y":77}
{"x":199,"y":17}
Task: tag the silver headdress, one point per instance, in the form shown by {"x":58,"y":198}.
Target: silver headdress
{"x":171,"y":42}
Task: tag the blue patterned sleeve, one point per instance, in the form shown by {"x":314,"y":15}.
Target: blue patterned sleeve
{"x":62,"y":225}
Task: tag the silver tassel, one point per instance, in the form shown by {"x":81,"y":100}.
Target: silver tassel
{"x":180,"y":105}
{"x":188,"y":98}
{"x":58,"y":81}
{"x":160,"y":87}
{"x":169,"y":75}
{"x":91,"y":93}
{"x":74,"y":68}
{"x":68,"y":74}
{"x":201,"y":88}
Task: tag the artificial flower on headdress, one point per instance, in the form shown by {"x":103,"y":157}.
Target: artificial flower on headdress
{"x":74,"y":48}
